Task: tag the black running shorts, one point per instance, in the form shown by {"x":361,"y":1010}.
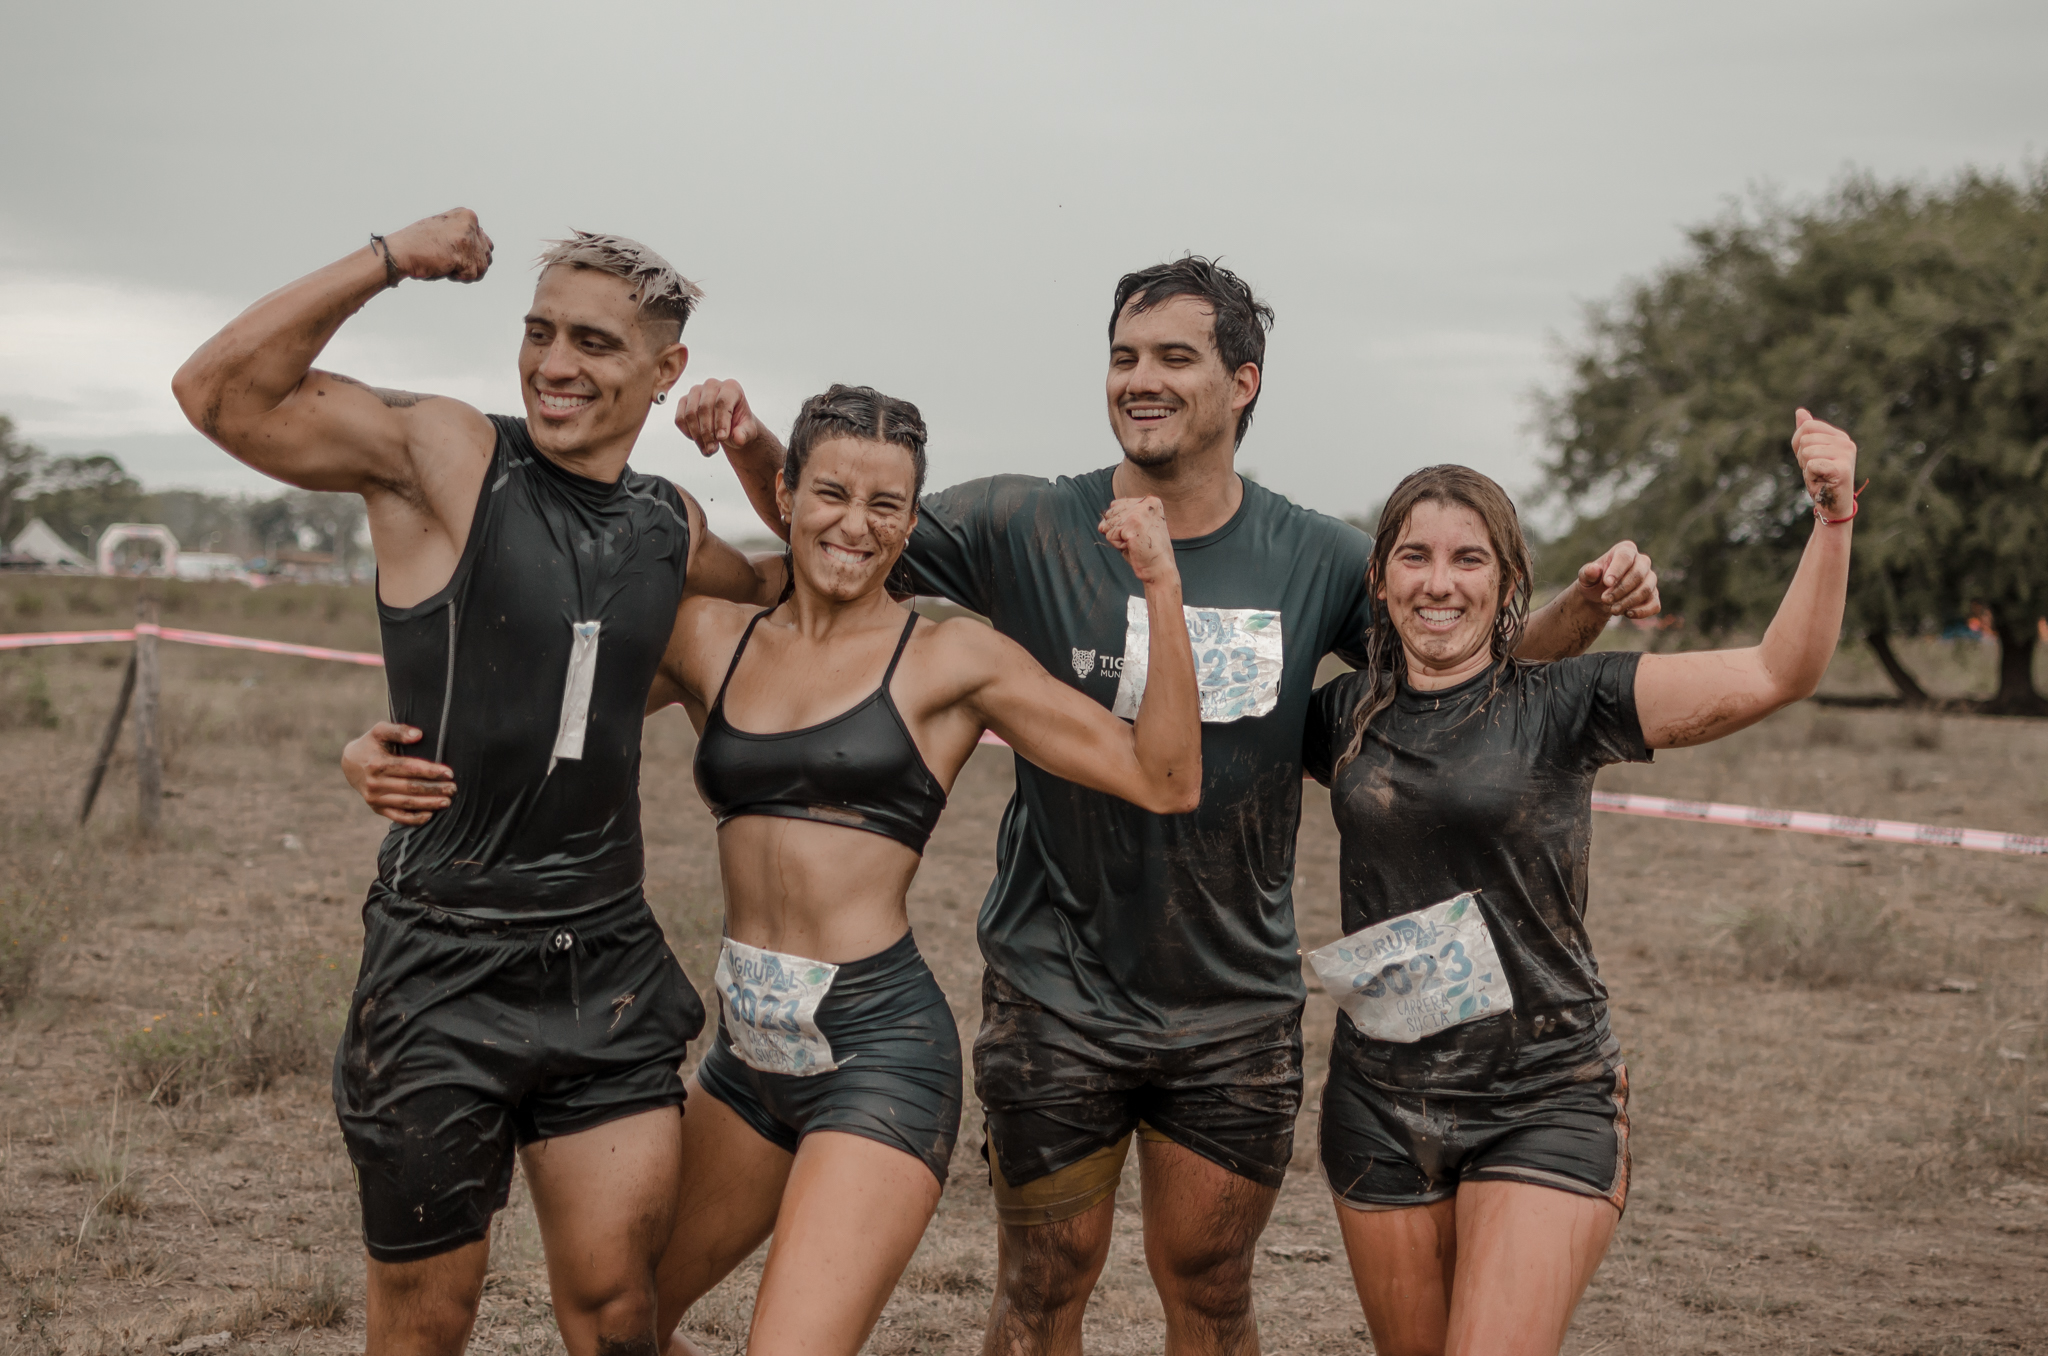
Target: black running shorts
{"x":898,"y":1050}
{"x":1055,"y":1096}
{"x":467,"y":1039}
{"x":1388,"y":1150}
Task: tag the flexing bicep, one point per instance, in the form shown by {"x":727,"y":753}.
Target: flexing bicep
{"x":1687,"y":699}
{"x":1055,"y":727}
{"x":332,"y":432}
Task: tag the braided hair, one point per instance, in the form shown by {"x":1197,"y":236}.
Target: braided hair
{"x":851,"y":412}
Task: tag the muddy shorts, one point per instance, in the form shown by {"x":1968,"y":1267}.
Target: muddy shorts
{"x":898,"y":1050}
{"x":467,"y":1039}
{"x":1387,"y":1150}
{"x":1062,"y":1104}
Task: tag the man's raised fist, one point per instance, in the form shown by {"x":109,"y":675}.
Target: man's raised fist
{"x":451,"y":245}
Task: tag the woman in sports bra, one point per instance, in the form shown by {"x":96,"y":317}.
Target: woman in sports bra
{"x":830,"y":728}
{"x":1475,"y":1120}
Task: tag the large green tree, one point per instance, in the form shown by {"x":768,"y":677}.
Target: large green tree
{"x":1914,"y":317}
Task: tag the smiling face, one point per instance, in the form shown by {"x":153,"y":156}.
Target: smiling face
{"x":1442,"y":591}
{"x":1170,"y":396}
{"x":589,"y":366}
{"x":849,"y":515}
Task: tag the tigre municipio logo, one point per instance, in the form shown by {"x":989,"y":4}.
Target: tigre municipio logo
{"x":1084,"y":663}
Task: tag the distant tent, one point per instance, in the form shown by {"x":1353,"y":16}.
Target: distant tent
{"x":40,"y":541}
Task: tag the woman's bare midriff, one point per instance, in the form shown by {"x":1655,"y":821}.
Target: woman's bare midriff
{"x":816,"y":890}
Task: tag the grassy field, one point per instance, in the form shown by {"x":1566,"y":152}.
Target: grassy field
{"x":1837,"y":1049}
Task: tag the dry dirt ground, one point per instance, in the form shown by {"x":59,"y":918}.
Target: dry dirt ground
{"x":1837,"y":1049}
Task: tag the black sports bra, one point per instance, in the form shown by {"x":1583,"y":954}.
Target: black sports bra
{"x":860,"y":769}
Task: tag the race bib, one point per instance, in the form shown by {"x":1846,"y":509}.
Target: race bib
{"x":576,"y":693}
{"x":1238,"y":659}
{"x":771,"y":1008}
{"x":1412,"y":976}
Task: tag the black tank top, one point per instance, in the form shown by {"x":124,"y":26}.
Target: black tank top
{"x":860,"y":769}
{"x":528,"y":675}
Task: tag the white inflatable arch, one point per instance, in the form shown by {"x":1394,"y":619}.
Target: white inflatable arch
{"x":118,"y":534}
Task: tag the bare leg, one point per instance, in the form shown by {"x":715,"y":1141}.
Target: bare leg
{"x":1202,"y":1227}
{"x":852,"y":1214}
{"x":1044,"y":1275}
{"x":425,"y":1308}
{"x":731,"y":1188}
{"x":1525,"y":1256}
{"x":1403,"y":1263}
{"x":605,"y":1199}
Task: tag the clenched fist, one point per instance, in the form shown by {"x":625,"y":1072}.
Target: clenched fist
{"x":1827,"y":459}
{"x":1137,"y":528}
{"x":451,"y":245}
{"x":715,"y":415}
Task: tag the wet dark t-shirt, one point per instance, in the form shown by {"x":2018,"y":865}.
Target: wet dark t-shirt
{"x":546,"y":817}
{"x":1473,"y":788}
{"x":1166,"y":929}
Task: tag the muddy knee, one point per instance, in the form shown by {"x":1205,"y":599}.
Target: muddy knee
{"x":1048,"y":1267}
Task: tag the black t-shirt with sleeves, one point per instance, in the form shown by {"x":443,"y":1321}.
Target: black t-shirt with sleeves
{"x":1167,"y":929}
{"x":1486,"y":786}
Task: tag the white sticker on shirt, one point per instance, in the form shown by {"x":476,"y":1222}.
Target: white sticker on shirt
{"x":771,"y":1008}
{"x":1415,"y":975}
{"x":576,"y":692}
{"x":1238,"y":659}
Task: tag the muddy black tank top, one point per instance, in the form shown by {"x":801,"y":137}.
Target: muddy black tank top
{"x":860,"y":769}
{"x":528,"y":675}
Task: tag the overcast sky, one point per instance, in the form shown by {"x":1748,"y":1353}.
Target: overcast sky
{"x":938,"y":199}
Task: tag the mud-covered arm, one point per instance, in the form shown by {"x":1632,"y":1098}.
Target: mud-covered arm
{"x":715,"y":416}
{"x":1621,"y":583}
{"x":1155,"y":763}
{"x":253,"y":390}
{"x":1687,"y":699}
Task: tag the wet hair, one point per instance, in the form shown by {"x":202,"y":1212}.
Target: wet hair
{"x":1241,"y":319}
{"x":855,"y":412}
{"x":1454,"y":486}
{"x":664,"y":296}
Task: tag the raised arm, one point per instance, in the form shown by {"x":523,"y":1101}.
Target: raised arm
{"x":1155,"y":764}
{"x":715,"y":416}
{"x":1686,"y":699}
{"x":1620,"y":583}
{"x":252,"y":388}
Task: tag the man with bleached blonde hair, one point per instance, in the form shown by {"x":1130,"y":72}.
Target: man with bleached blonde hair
{"x":516,"y":995}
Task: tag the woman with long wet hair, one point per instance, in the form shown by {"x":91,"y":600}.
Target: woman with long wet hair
{"x":1475,"y":1120}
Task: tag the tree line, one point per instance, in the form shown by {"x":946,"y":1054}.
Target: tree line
{"x":1914,"y":316}
{"x":79,"y":495}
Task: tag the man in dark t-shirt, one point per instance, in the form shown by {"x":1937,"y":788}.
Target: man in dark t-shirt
{"x":1143,"y":977}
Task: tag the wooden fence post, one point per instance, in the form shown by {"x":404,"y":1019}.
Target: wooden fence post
{"x":107,"y":741}
{"x":149,"y":765}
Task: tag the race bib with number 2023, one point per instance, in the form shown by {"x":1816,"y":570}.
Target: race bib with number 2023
{"x":771,"y":1008}
{"x":1415,"y":975}
{"x":1238,"y":660}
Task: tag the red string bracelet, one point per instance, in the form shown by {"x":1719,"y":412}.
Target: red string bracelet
{"x":1855,"y":507}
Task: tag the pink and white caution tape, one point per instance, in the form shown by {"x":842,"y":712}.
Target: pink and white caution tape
{"x":1833,"y":826}
{"x":1797,"y":821}
{"x":35,"y":639}
{"x":1654,"y":807}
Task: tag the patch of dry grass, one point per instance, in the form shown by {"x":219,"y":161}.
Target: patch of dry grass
{"x":1820,"y":938}
{"x":254,"y":1022}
